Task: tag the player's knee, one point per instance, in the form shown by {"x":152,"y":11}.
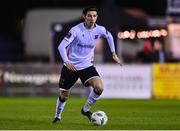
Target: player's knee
{"x":98,"y":89}
{"x":64,"y":97}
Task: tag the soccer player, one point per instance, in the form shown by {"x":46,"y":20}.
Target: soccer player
{"x":77,"y":52}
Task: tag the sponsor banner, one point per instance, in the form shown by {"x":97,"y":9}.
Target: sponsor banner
{"x":29,"y":74}
{"x":166,"y":83}
{"x":128,"y":81}
{"x":29,"y":79}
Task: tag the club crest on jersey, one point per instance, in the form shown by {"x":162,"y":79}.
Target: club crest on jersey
{"x":96,"y":36}
{"x":68,"y":35}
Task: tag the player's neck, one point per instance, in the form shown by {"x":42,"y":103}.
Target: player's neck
{"x":89,"y":26}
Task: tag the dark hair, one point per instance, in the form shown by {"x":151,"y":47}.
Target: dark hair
{"x":91,"y":8}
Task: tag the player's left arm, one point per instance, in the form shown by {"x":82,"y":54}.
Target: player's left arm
{"x":110,"y":41}
{"x":116,"y":58}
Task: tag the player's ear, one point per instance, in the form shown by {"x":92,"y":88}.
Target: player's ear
{"x":84,"y":16}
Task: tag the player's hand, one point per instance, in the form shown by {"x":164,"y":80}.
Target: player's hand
{"x":70,"y":66}
{"x":116,"y":58}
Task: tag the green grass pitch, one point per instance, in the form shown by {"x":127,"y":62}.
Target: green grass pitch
{"x":37,"y":114}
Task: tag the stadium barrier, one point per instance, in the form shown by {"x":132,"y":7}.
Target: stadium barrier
{"x":159,"y":81}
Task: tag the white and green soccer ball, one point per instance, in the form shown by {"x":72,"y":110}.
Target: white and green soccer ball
{"x":99,"y":118}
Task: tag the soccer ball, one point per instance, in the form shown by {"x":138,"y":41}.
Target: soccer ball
{"x":99,"y":118}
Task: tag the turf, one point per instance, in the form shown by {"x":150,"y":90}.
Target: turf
{"x":37,"y":114}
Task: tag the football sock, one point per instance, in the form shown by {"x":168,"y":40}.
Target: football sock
{"x":93,"y":97}
{"x":59,"y":107}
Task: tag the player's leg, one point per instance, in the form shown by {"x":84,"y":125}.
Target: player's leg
{"x":94,"y":95}
{"x":90,"y":77}
{"x":97,"y":85}
{"x":61,"y":102}
{"x":67,"y":80}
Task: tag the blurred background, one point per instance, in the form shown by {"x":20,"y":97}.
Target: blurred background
{"x":146,"y":35}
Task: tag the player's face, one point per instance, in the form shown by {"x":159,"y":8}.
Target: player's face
{"x":90,"y":18}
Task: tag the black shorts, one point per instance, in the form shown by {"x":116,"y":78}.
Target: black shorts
{"x":68,"y":78}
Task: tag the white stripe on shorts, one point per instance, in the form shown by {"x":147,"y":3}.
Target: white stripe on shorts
{"x":90,"y":79}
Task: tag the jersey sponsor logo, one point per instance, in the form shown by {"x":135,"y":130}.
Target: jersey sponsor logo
{"x":68,"y":35}
{"x":85,"y":46}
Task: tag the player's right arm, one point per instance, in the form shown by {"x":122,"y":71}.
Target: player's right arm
{"x":62,"y":49}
